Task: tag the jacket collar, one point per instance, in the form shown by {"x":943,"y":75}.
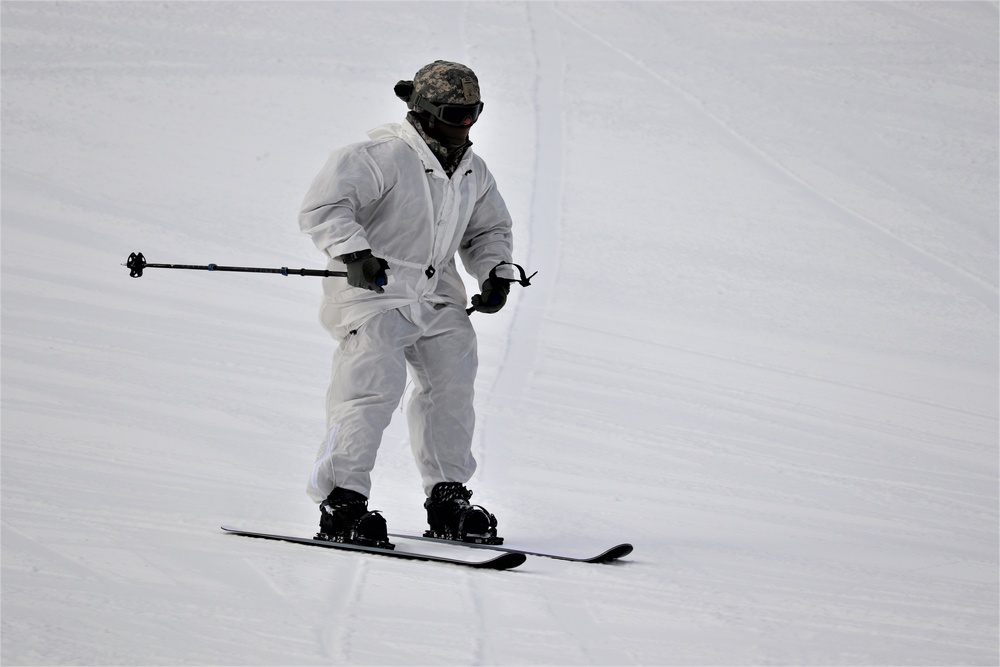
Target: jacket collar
{"x":409,"y":134}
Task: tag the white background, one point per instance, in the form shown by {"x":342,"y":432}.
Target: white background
{"x":762,"y":343}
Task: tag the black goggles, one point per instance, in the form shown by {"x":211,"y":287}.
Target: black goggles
{"x":460,"y":115}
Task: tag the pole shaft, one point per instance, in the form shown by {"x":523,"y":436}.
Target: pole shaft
{"x":285,"y":271}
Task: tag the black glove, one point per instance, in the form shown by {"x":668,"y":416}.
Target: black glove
{"x":493,"y":297}
{"x":366,"y":271}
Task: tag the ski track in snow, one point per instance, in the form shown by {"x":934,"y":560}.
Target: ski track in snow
{"x":955,"y":275}
{"x":340,"y":624}
{"x":545,"y":219}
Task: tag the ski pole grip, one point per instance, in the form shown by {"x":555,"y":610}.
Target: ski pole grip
{"x":136,"y":263}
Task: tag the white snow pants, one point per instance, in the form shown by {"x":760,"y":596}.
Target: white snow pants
{"x":438,"y":345}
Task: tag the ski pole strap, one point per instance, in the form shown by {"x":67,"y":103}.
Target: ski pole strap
{"x":523,"y":281}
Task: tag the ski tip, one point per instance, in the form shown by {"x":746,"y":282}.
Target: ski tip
{"x":505,"y":561}
{"x":614,"y":553}
{"x":235,"y":531}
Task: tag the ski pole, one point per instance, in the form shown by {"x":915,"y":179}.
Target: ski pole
{"x":136,"y":264}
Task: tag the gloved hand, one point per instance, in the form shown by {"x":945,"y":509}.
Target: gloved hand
{"x":493,"y":297}
{"x":365,"y":270}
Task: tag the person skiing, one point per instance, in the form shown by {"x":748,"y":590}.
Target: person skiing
{"x":394,"y":211}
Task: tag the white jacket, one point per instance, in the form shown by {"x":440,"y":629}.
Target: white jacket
{"x":391,"y":195}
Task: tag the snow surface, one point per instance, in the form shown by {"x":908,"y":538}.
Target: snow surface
{"x":762,"y":344}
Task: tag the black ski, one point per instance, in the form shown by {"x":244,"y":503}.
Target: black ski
{"x":607,"y":556}
{"x":502,"y":562}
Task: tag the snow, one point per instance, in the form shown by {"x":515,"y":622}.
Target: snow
{"x":762,"y":344}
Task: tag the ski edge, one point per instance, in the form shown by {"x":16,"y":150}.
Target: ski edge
{"x":502,"y":562}
{"x":606,"y":556}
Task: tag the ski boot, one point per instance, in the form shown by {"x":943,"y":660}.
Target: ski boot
{"x":344,"y":517}
{"x":452,"y":517}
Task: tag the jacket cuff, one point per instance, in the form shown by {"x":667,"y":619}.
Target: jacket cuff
{"x":338,"y":250}
{"x":354,"y":256}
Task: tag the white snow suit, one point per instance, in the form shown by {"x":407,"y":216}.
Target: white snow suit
{"x":391,"y":195}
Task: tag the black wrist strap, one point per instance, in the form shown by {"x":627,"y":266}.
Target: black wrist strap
{"x":354,"y":256}
{"x":525,"y":281}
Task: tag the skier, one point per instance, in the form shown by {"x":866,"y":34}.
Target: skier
{"x":394,"y":211}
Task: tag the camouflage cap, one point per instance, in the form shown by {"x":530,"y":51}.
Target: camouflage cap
{"x":444,"y":82}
